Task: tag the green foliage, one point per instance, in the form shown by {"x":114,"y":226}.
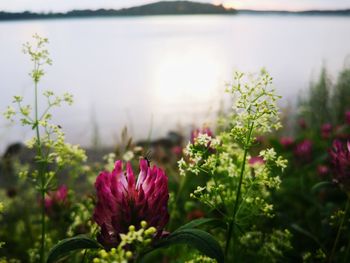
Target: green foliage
{"x":318,"y":111}
{"x":326,"y":102}
{"x":51,"y":146}
{"x":53,"y":154}
{"x":132,"y":245}
{"x":267,"y":247}
{"x":341,"y":96}
{"x":66,"y":246}
{"x":197,"y":239}
{"x":239,"y":192}
{"x":201,"y":259}
{"x":213,"y":222}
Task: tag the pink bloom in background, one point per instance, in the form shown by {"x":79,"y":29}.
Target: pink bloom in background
{"x":326,"y":130}
{"x":322,"y":170}
{"x":302,"y":124}
{"x":260,"y":139}
{"x":56,"y":198}
{"x":196,"y":132}
{"x":123,"y":201}
{"x":177,"y":150}
{"x":340,"y":157}
{"x":303,"y":150}
{"x":347,"y":117}
{"x":286,"y":142}
{"x":256,"y":160}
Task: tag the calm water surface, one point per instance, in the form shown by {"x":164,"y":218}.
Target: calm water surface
{"x":164,"y":71}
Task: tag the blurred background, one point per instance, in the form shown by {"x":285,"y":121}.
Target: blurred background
{"x":163,"y":66}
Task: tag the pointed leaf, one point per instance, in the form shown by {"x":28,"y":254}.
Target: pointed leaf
{"x":203,"y":221}
{"x":65,"y":246}
{"x":306,"y":233}
{"x":319,"y":185}
{"x":198,"y":239}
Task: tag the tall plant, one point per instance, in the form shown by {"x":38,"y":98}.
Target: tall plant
{"x":52,"y":152}
{"x":240,"y":183}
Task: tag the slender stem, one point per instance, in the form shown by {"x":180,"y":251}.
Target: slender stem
{"x":84,"y":256}
{"x":220,"y":193}
{"x":339,"y":230}
{"x":41,"y":168}
{"x":244,"y":198}
{"x":181,"y":187}
{"x":230,"y":231}
{"x":217,"y":186}
{"x":228,"y":238}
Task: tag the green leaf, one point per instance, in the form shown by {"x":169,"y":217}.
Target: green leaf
{"x":213,"y":222}
{"x":198,"y":239}
{"x":306,"y":233}
{"x":65,"y":246}
{"x":319,"y":185}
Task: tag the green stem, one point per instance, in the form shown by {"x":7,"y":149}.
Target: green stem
{"x":41,"y":171}
{"x":228,"y":238}
{"x":230,"y":231}
{"x":244,"y":198}
{"x":84,"y":256}
{"x":339,"y":230}
{"x":220,"y":193}
{"x":217,"y":186}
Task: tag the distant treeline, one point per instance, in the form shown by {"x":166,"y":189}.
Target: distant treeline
{"x":344,"y":12}
{"x":159,"y":8}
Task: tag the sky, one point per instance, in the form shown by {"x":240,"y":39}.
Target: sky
{"x":66,"y":5}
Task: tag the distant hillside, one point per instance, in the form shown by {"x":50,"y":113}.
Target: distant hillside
{"x":158,"y":8}
{"x":176,"y":8}
{"x":162,"y":8}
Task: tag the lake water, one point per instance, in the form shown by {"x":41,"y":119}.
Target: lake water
{"x":163,"y":71}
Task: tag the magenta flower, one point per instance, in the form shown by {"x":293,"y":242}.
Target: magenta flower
{"x":256,"y":160}
{"x":56,"y":198}
{"x":303,"y":150}
{"x":196,"y":132}
{"x":260,"y":139}
{"x":177,"y":150}
{"x":326,"y":130}
{"x":340,"y":157}
{"x":347,"y":117}
{"x":286,"y":142}
{"x":123,"y":201}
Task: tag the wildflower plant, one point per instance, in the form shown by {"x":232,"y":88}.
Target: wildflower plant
{"x":340,"y":158}
{"x":237,"y":191}
{"x":52,"y":152}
